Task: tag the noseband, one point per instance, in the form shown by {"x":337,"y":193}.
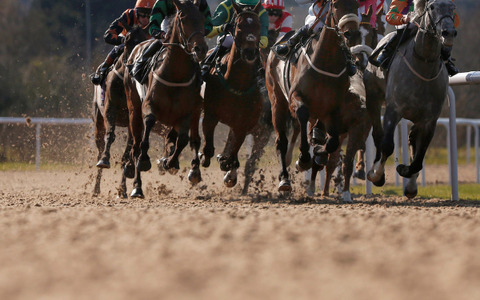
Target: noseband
{"x":184,"y":42}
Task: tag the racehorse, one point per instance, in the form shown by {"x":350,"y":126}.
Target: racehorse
{"x":232,"y":95}
{"x":354,"y":116}
{"x":113,"y":111}
{"x":319,"y":84}
{"x":173,"y":95}
{"x":415,"y":89}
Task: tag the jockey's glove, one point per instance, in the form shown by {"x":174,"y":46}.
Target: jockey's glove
{"x":263,"y":42}
{"x":227,"y":28}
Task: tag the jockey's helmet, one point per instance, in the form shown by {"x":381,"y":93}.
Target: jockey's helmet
{"x":144,"y":6}
{"x":273,"y":4}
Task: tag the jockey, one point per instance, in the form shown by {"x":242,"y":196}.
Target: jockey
{"x":279,"y":20}
{"x":162,"y":13}
{"x":115,"y":34}
{"x":314,"y":22}
{"x":398,"y":15}
{"x":222,"y":25}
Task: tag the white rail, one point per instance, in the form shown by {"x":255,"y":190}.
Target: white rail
{"x":38,"y":129}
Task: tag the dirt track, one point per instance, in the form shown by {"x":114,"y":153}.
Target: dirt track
{"x":58,"y":242}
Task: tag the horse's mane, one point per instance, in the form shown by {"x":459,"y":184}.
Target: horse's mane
{"x":419,"y":6}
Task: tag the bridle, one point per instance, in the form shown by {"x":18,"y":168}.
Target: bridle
{"x":185,"y":43}
{"x":249,"y":38}
{"x":432,"y":25}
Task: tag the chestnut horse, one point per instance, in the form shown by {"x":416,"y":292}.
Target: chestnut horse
{"x":319,"y":84}
{"x":232,"y":95}
{"x":173,"y":95}
{"x":113,"y":111}
{"x":414,"y":88}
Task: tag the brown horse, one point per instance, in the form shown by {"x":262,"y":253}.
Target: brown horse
{"x":113,"y":111}
{"x":354,"y":116}
{"x":173,"y":95}
{"x":319,"y":85}
{"x":232,"y":95}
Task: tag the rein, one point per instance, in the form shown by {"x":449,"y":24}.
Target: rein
{"x":184,"y":44}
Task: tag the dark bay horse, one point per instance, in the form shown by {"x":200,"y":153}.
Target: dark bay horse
{"x":319,"y":85}
{"x":173,"y":95}
{"x":354,"y":117}
{"x":232,"y":95}
{"x":113,"y":111}
{"x":415,"y":89}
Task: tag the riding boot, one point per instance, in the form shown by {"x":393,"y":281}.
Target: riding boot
{"x":284,"y":49}
{"x":138,"y":70}
{"x":218,"y":51}
{"x":350,"y":66}
{"x":383,"y":59}
{"x":445,"y":53}
{"x":99,"y":75}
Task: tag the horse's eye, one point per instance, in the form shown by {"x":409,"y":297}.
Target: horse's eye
{"x":432,"y":7}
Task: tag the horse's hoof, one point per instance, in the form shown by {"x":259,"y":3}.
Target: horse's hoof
{"x":230,"y":179}
{"x":144,"y":164}
{"x":194,"y":176}
{"x":122,"y":195}
{"x":321,"y":158}
{"x":129,"y":170}
{"x":103,"y":163}
{"x":360,"y":174}
{"x":160,"y":167}
{"x":224,"y":166}
{"x":347,"y":197}
{"x":173,"y":171}
{"x":302,"y":166}
{"x":137,"y":193}
{"x":204,"y":161}
{"x":410,"y":194}
{"x":220,"y":157}
{"x":284,"y":186}
{"x":310,"y":189}
{"x":404,"y":171}
{"x":380,"y":182}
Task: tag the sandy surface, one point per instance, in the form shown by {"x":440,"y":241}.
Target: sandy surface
{"x":207,"y":242}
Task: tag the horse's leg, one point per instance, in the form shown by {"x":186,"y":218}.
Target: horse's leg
{"x":232,"y":163}
{"x":261,"y":136}
{"x":208,"y":126}
{"x":122,"y":190}
{"x":293,"y":141}
{"x":143,"y":163}
{"x":110,"y":120}
{"x":330,"y":168}
{"x":280,"y":114}
{"x":304,"y":161}
{"x":100,"y":143}
{"x":225,"y":155}
{"x":194,"y":175}
{"x":390,"y":120}
{"x":360,"y":165}
{"x":313,"y":178}
{"x":171,"y":163}
{"x":419,"y":139}
{"x":374,"y":106}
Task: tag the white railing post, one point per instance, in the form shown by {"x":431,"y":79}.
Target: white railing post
{"x":468,"y":143}
{"x":38,"y":144}
{"x":453,"y":145}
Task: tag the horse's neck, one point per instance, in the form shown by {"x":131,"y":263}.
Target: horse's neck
{"x":236,"y":67}
{"x":177,"y":60}
{"x":327,"y":49}
{"x":428,"y":46}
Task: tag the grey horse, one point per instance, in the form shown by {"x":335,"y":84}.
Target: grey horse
{"x":414,"y":88}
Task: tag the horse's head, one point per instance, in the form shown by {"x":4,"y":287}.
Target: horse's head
{"x":135,"y":36}
{"x":189,"y":28}
{"x":247,"y":31}
{"x":438,"y":19}
{"x":345,"y":16}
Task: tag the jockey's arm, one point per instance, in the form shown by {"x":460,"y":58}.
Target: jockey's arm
{"x":287,"y":24}
{"x":221,"y":15}
{"x":159,"y":13}
{"x":112,"y":35}
{"x":394,"y":14}
{"x":264,"y":22}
